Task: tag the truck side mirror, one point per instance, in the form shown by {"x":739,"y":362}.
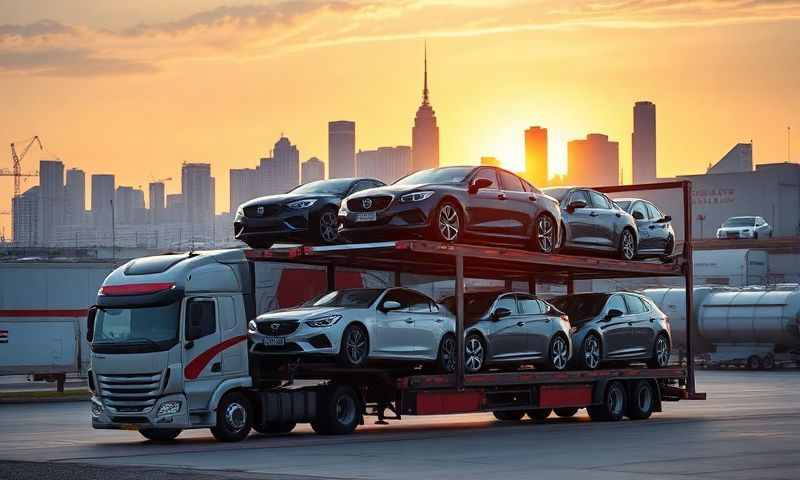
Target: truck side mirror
{"x":90,"y":323}
{"x":479,"y":183}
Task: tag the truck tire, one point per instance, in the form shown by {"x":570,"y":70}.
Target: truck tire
{"x":340,"y":411}
{"x":234,"y":418}
{"x":613,"y":406}
{"x":642,"y":401}
{"x":769,"y":362}
{"x":509,"y":415}
{"x":160,"y":434}
{"x":566,"y":412}
{"x":272,"y":428}
{"x":753,"y":363}
{"x":539,"y":414}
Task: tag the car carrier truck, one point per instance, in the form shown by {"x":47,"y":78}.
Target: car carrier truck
{"x":170,"y":351}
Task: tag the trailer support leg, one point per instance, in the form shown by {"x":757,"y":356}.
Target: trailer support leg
{"x":460,"y":321}
{"x":330,"y":278}
{"x":398,"y":279}
{"x":532,"y":285}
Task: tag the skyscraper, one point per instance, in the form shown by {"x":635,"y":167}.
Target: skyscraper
{"x":342,"y":149}
{"x":156,"y":200}
{"x":593,"y":162}
{"x":536,"y":170}
{"x":643,"y":140}
{"x":312,"y":170}
{"x":25,"y":217}
{"x":197,"y":189}
{"x":102,"y":196}
{"x":244,"y":184}
{"x":51,"y":199}
{"x":425,"y":133}
{"x":385,"y":163}
{"x":286,"y":166}
{"x":75,"y":197}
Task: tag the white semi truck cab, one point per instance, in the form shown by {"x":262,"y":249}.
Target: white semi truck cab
{"x":169,"y":341}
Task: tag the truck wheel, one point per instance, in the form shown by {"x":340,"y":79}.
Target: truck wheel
{"x":539,"y":414}
{"x":754,"y":363}
{"x":769,"y":362}
{"x":566,"y":412}
{"x":509,"y":415}
{"x":234,"y":418}
{"x":354,"y":350}
{"x":160,"y":434}
{"x":275,"y":428}
{"x":340,"y":411}
{"x":613,"y":406}
{"x":642,"y":401}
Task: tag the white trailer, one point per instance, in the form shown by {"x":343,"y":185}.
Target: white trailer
{"x":734,"y":268}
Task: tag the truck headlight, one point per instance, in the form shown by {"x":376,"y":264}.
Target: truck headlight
{"x":416,"y":196}
{"x":169,"y":408}
{"x":97,"y":409}
{"x":252,"y":326}
{"x":300,"y":204}
{"x":324,"y":321}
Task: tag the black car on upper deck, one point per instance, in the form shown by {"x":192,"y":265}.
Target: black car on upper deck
{"x":305,"y":214}
{"x":455,"y":204}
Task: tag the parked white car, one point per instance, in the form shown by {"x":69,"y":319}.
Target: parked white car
{"x":357,"y":325}
{"x":744,"y":227}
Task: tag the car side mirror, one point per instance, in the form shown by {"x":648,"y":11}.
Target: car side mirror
{"x":637,"y":215}
{"x":90,"y":323}
{"x":391,"y":305}
{"x":576,"y":204}
{"x":501,"y":312}
{"x":479,"y":183}
{"x":613,"y":313}
{"x":665,"y":219}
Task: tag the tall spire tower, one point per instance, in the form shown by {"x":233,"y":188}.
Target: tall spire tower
{"x":425,"y":133}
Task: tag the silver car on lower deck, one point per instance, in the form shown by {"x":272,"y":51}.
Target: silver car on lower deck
{"x":353,"y":326}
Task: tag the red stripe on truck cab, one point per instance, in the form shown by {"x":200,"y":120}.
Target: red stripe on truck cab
{"x":76,"y":313}
{"x":198,"y":363}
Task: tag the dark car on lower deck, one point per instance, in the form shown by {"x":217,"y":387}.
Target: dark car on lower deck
{"x":455,"y":204}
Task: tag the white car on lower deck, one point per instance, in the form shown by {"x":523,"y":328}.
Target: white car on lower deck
{"x":357,"y":325}
{"x":744,"y":227}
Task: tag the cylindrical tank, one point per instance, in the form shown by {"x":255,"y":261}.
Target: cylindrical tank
{"x":735,"y":315}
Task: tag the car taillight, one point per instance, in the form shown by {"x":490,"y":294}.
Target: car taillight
{"x":135,"y":289}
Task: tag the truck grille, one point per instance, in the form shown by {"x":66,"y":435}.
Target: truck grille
{"x":284,"y":327}
{"x":130,"y":393}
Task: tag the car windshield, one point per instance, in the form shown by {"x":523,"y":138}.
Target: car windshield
{"x":740,"y":222}
{"x":623,"y":204}
{"x":582,"y":307}
{"x":436,"y":175}
{"x":353,"y":298}
{"x":332,"y":187}
{"x":475,"y":304}
{"x":557,"y":192}
{"x":137,"y":325}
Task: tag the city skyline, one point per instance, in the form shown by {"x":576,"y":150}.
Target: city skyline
{"x":141,"y":112}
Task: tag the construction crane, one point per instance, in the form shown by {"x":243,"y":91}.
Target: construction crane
{"x":17,"y":159}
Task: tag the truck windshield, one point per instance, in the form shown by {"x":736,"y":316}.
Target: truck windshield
{"x":144,"y":329}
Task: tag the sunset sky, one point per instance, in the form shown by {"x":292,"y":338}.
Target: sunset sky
{"x":136,"y":88}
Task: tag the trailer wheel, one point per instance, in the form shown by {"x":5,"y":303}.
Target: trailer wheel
{"x":539,"y":414}
{"x":340,"y":411}
{"x":275,"y":428}
{"x":642,"y":401}
{"x":566,"y":412}
{"x":769,"y":362}
{"x":613,"y":406}
{"x":754,"y":363}
{"x":509,"y":415}
{"x":234,"y":418}
{"x":160,"y":434}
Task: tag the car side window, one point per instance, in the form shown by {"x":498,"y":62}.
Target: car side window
{"x":489,"y":174}
{"x":616,"y":302}
{"x":510,"y":181}
{"x":599,"y":200}
{"x":399,"y":296}
{"x":529,"y":306}
{"x":418,"y":303}
{"x":507,"y":301}
{"x":529,"y":187}
{"x":639,"y":211}
{"x":201,"y":318}
{"x":653,"y":212}
{"x":580,"y":195}
{"x":544,"y":306}
{"x":635,"y":304}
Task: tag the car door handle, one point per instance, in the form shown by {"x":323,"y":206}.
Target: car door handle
{"x":630,"y":324}
{"x":439,"y":320}
{"x":652,"y":319}
{"x":501,"y":196}
{"x":217,"y":367}
{"x":409,"y":320}
{"x":652,"y":227}
{"x":520,"y":324}
{"x":532,"y":198}
{"x":594,"y":214}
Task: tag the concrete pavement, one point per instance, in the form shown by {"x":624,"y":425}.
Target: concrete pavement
{"x":749,"y":428}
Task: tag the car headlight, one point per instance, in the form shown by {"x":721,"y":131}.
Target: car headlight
{"x":239,"y":214}
{"x":97,"y":409}
{"x":324,"y":321}
{"x":416,"y":196}
{"x":252,"y":326}
{"x":300,"y":204}
{"x":169,"y":408}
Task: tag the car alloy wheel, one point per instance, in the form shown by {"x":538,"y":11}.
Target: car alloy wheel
{"x":627,"y":245}
{"x":355,"y":346}
{"x":545,"y":234}
{"x":474,"y":354}
{"x":558,"y":353}
{"x":591,"y":352}
{"x":662,"y":351}
{"x":328,"y":225}
{"x":449,"y":222}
